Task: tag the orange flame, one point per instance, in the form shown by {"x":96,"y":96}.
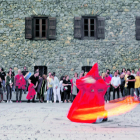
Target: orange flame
{"x":116,"y":107}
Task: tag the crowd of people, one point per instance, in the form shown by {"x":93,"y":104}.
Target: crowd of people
{"x":65,"y":89}
{"x":126,"y":82}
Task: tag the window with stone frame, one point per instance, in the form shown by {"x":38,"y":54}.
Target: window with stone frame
{"x":89,"y":27}
{"x":137,"y":24}
{"x":40,"y":28}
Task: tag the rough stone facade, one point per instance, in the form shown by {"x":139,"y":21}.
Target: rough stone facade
{"x":67,"y":55}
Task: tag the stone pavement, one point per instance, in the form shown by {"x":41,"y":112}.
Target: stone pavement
{"x":36,"y":121}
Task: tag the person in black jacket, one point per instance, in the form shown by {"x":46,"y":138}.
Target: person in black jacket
{"x":122,"y":85}
{"x":67,"y":89}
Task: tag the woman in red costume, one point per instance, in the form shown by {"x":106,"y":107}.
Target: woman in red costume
{"x":31,"y":91}
{"x":88,"y":106}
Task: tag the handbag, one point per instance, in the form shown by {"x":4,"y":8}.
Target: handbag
{"x":45,"y":93}
{"x":65,"y":88}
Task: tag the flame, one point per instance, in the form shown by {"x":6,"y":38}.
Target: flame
{"x":116,"y":107}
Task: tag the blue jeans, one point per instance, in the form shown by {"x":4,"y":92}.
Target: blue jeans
{"x":137,"y":91}
{"x":49,"y":94}
{"x":26,"y":86}
{"x":3,"y":84}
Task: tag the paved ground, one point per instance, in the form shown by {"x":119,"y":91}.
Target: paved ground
{"x":34,"y":121}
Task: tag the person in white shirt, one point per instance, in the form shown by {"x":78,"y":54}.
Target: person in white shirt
{"x":115,"y":82}
{"x":133,"y":73}
{"x":56,"y":88}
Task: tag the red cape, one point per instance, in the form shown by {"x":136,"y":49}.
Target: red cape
{"x":31,"y":92}
{"x":90,"y":98}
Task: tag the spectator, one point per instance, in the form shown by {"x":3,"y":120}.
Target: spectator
{"x":74,"y":89}
{"x":49,"y":88}
{"x":115,"y":82}
{"x":19,"y":85}
{"x":13,"y":75}
{"x":137,"y":84}
{"x":123,"y":71}
{"x":3,"y":77}
{"x":34,"y":80}
{"x":108,"y":81}
{"x":9,"y":85}
{"x":133,"y":72}
{"x":131,"y":83}
{"x":1,"y":91}
{"x":56,"y":88}
{"x":108,"y":70}
{"x":40,"y":81}
{"x":103,"y":76}
{"x":24,"y":72}
{"x":125,"y":86}
{"x":41,"y":88}
{"x":118,"y":73}
{"x":67,"y":89}
{"x":122,"y":85}
{"x":62,"y":87}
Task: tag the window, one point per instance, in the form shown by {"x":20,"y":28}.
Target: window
{"x":137,"y":23}
{"x":40,"y":27}
{"x":88,"y":27}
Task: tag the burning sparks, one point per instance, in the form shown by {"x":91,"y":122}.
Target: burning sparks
{"x":116,"y":107}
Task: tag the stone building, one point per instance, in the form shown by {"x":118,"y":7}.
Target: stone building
{"x":65,"y":35}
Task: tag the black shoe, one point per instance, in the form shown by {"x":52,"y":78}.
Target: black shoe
{"x":28,"y":101}
{"x":105,"y":119}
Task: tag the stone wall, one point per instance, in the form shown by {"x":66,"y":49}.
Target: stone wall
{"x":67,"y":55}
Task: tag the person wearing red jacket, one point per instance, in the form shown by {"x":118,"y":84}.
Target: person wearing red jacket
{"x":19,"y":85}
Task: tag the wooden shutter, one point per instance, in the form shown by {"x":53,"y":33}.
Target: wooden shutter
{"x":28,"y":28}
{"x":100,"y":27}
{"x":77,"y":28}
{"x":137,"y":28}
{"x":52,"y":28}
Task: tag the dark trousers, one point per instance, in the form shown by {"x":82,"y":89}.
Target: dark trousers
{"x":137,"y":91}
{"x":66,"y":95}
{"x":130,"y":91}
{"x":62,"y":95}
{"x":18,"y":93}
{"x":73,"y":97}
{"x":114,"y":90}
{"x":122,"y":91}
{"x":9,"y":91}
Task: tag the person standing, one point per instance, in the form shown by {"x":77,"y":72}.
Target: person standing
{"x":115,"y":82}
{"x":13,"y":75}
{"x":49,"y":88}
{"x":122,"y":85}
{"x":24,"y":72}
{"x":9,"y":85}
{"x":108,"y":70}
{"x":137,"y":84}
{"x":62,"y":87}
{"x":131,"y":83}
{"x":41,"y":88}
{"x":34,"y":80}
{"x":125,"y":86}
{"x":67,"y":89}
{"x":56,"y":88}
{"x":108,"y":82}
{"x":1,"y":90}
{"x":3,"y":77}
{"x":133,"y":72}
{"x":74,"y":88}
{"x":19,"y":85}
